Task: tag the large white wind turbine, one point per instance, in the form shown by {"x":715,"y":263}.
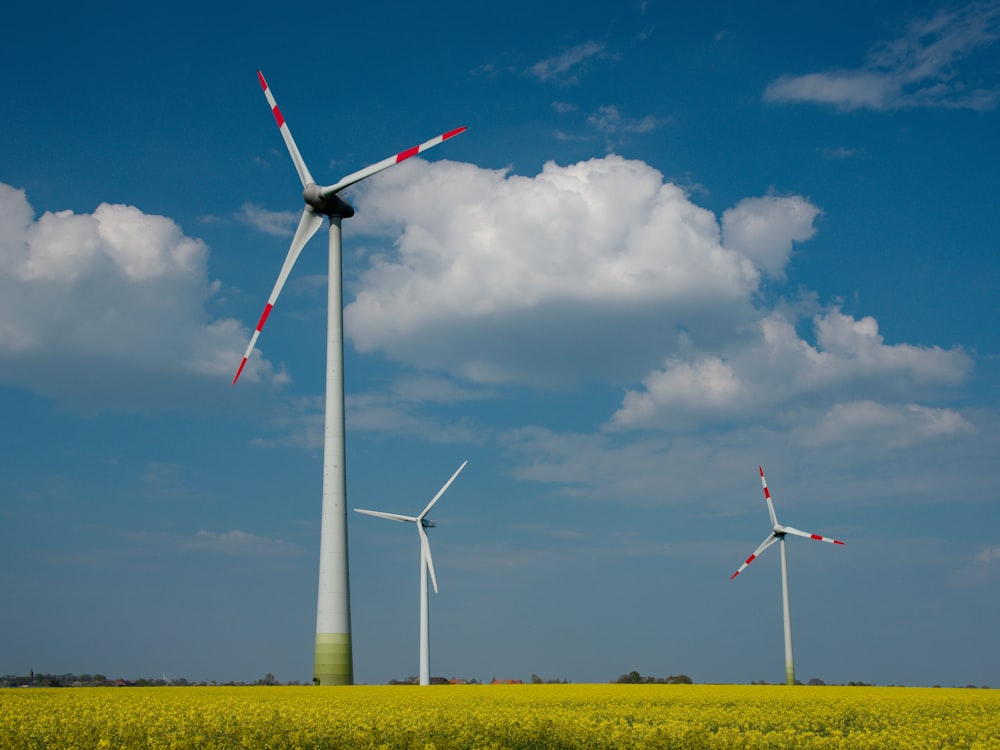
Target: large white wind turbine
{"x":422,"y":523}
{"x":334,"y":664}
{"x":777,"y":534}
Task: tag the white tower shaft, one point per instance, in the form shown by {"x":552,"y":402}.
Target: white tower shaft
{"x":789,"y":663}
{"x":334,"y":663}
{"x":425,"y":648}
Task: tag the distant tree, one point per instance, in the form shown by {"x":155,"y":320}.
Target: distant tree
{"x":816,"y":681}
{"x":536,"y":680}
{"x":634,"y":678}
{"x":411,"y":680}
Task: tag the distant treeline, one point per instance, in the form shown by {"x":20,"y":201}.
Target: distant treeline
{"x":35,"y":679}
{"x":634,"y":678}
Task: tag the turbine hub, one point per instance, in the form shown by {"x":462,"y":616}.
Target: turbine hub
{"x":333,"y":205}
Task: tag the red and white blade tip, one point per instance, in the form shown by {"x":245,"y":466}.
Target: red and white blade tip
{"x":260,"y":325}
{"x":819,"y":538}
{"x":741,"y":568}
{"x":428,"y":144}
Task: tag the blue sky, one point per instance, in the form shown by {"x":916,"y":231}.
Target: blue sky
{"x":675,"y":243}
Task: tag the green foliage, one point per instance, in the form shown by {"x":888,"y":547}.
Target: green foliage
{"x":634,"y":678}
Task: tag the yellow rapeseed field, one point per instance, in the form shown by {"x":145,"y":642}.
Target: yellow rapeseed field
{"x":495,"y":717}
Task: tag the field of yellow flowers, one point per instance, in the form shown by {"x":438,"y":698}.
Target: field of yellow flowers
{"x":482,"y":716}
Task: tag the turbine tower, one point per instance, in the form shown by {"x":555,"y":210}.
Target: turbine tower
{"x":777,"y":534}
{"x":426,"y":565}
{"x":334,"y":663}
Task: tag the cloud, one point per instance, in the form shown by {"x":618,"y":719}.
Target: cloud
{"x":567,"y":65}
{"x":763,"y":229}
{"x":609,"y":121}
{"x":839,"y":152}
{"x":276,"y":223}
{"x":141,"y":545}
{"x":894,"y":426}
{"x":773,"y":372}
{"x":427,"y":407}
{"x":296,"y":422}
{"x":108,"y":309}
{"x":856,"y":454}
{"x":591,"y":270}
{"x":240,"y":543}
{"x":401,"y":410}
{"x":989,"y":554}
{"x":918,"y":69}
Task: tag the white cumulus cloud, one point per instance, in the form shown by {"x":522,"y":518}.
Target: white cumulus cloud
{"x":95,"y":305}
{"x":588,"y":270}
{"x":763,"y":229}
{"x":774,"y":372}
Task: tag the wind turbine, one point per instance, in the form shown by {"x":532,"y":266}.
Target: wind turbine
{"x":334,"y":663}
{"x":422,"y":523}
{"x":777,"y":534}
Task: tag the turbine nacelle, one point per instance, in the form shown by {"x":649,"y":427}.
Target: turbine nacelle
{"x":427,"y":523}
{"x":331,"y":205}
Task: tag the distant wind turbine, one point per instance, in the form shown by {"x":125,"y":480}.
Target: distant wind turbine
{"x":426,"y":565}
{"x":777,"y":534}
{"x":334,"y":663}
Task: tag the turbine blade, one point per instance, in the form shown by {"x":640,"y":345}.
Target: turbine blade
{"x":386,"y":163}
{"x":293,"y":150}
{"x":425,"y":550}
{"x":441,"y":491}
{"x":771,"y":539}
{"x":767,"y":496}
{"x":308,"y":225}
{"x":390,"y":516}
{"x":809,"y":535}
